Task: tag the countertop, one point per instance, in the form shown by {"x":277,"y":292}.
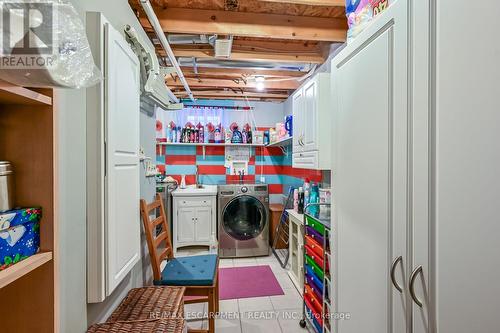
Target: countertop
{"x":192,"y":191}
{"x":296,"y":215}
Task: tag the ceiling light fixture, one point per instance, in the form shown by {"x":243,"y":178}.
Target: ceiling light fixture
{"x":260,"y":80}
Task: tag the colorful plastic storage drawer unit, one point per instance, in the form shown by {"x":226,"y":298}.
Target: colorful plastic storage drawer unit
{"x":19,"y":235}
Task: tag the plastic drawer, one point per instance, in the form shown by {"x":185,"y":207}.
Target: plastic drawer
{"x":316,"y":302}
{"x":317,"y":259}
{"x":315,"y":235}
{"x":311,"y":222}
{"x":315,"y":316}
{"x":315,"y":268}
{"x":315,"y":279}
{"x":315,"y":246}
{"x":310,"y":282}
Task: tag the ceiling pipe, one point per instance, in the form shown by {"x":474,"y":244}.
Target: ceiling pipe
{"x":146,"y":5}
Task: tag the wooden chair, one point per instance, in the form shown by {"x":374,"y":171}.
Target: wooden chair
{"x":199,"y":274}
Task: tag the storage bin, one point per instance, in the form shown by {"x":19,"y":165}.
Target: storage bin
{"x":19,"y":235}
{"x":315,"y":268}
{"x":311,"y":222}
{"x":312,"y":277}
{"x":316,"y":258}
{"x":315,"y":235}
{"x":315,"y":301}
{"x":315,"y":246}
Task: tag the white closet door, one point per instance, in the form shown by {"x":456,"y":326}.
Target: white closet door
{"x":122,"y":169}
{"x":369,"y":85}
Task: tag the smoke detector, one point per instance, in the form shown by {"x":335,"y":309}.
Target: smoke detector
{"x":223,"y":47}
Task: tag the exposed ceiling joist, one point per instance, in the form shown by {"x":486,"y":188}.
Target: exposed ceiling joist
{"x":240,"y":72}
{"x":326,"y":3}
{"x":234,"y":94}
{"x":199,"y":21}
{"x":197,"y":52}
{"x":283,"y":84}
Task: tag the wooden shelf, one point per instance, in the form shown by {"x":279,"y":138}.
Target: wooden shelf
{"x":23,"y":267}
{"x":12,"y":94}
{"x":210,"y":144}
{"x":281,"y":143}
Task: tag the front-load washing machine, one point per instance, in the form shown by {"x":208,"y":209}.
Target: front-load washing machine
{"x":243,"y":228}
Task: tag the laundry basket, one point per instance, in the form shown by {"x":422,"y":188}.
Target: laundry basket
{"x":150,"y":303}
{"x":145,"y":326}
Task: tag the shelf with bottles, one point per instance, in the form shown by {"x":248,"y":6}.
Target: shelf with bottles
{"x":207,"y":144}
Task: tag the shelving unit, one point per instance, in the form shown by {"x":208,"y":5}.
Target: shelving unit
{"x":317,"y":305}
{"x":281,"y":143}
{"x":14,"y":95}
{"x":24,"y":267}
{"x":210,"y":144}
{"x":28,"y":289}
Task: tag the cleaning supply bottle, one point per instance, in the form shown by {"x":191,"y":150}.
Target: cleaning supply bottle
{"x":301,"y":201}
{"x":296,"y":200}
{"x":179,"y":134}
{"x":218,"y":134}
{"x":314,"y":210}
{"x":307,"y":191}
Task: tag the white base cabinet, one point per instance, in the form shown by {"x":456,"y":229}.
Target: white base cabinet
{"x":195,"y":221}
{"x":312,"y":114}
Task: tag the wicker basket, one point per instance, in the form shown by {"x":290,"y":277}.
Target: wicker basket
{"x":150,"y":303}
{"x":145,"y":326}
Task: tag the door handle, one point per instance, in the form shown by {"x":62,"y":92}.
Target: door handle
{"x":393,"y":271}
{"x":413,"y":276}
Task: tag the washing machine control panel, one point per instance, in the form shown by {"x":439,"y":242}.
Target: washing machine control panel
{"x":244,"y":189}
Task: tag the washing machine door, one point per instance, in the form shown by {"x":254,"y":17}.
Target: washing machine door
{"x":244,"y":218}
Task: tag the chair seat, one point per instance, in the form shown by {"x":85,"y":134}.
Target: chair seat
{"x":189,"y":271}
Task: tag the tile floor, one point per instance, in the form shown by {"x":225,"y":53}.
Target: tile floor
{"x":254,"y":315}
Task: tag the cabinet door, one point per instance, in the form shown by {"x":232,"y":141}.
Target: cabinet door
{"x":186,"y":224}
{"x":203,"y":221}
{"x":122,"y":227}
{"x":298,"y":125}
{"x":310,"y":116}
{"x":369,"y":85}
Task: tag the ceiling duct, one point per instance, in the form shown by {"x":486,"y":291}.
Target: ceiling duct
{"x":221,"y":63}
{"x":223,"y":47}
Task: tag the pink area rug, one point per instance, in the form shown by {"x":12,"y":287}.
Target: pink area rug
{"x":245,"y":282}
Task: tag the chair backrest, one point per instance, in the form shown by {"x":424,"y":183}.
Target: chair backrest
{"x":157,"y":253}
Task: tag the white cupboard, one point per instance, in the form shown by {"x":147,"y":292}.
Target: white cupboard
{"x":113,"y":223}
{"x":415,"y":172}
{"x":369,"y":85}
{"x":194,"y":220}
{"x":312,"y":116}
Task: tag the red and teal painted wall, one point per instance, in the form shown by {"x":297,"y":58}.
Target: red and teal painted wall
{"x":270,"y":163}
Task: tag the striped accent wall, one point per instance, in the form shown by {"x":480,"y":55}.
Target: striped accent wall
{"x":270,"y":163}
